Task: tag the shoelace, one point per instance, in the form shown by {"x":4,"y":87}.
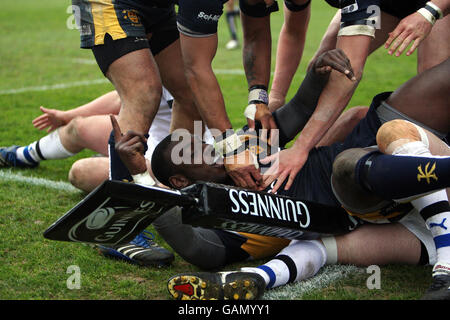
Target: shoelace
{"x":143,"y":240}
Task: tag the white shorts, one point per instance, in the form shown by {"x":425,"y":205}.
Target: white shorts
{"x":414,"y":222}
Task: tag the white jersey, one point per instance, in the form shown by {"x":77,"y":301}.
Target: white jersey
{"x":161,"y":124}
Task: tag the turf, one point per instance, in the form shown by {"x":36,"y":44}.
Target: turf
{"x":37,"y":49}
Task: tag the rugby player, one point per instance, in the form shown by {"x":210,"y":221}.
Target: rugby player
{"x":355,"y":38}
{"x":120,"y":35}
{"x":84,"y":127}
{"x":89,"y":126}
{"x":309,"y":187}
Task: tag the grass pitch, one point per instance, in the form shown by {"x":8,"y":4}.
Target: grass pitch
{"x":43,"y":65}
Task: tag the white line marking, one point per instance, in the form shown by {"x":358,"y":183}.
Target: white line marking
{"x":54,"y":86}
{"x":41,"y":182}
{"x":323,"y":279}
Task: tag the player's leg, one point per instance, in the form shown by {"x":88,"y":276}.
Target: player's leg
{"x":404,"y":138}
{"x":87,"y":174}
{"x":184,"y":110}
{"x":435,"y":48}
{"x":230,"y":15}
{"x":86,"y":133}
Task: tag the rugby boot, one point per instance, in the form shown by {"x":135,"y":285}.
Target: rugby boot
{"x":235,"y":285}
{"x":142,"y":251}
{"x":8,"y":159}
{"x":440,"y":288}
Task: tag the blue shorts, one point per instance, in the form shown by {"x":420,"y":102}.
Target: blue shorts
{"x":358,"y":17}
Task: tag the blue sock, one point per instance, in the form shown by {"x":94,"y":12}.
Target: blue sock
{"x":397,"y":177}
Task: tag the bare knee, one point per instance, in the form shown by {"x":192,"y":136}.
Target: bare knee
{"x":395,"y":133}
{"x":81,"y":177}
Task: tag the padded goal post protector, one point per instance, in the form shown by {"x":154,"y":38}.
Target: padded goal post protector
{"x":236,"y":209}
{"x":114,"y":213}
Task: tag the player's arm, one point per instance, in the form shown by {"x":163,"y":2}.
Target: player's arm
{"x":329,"y":39}
{"x":416,"y":27}
{"x":357,"y":29}
{"x":52,"y":119}
{"x":290,"y":49}
{"x":131,"y":148}
{"x":257,"y":44}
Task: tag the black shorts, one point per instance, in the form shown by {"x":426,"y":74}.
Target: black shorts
{"x":115,"y":29}
{"x":199,"y":18}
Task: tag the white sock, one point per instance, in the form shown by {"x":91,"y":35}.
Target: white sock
{"x":435,"y":210}
{"x":299,"y":261}
{"x":434,"y":207}
{"x":46,"y":148}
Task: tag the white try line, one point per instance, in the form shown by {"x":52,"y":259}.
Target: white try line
{"x":54,"y":86}
{"x":41,"y":182}
{"x":66,"y":85}
{"x":328,"y":275}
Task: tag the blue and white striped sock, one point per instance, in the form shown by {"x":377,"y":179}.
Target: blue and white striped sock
{"x":29,"y":154}
{"x":435,"y":210}
{"x":300,"y":260}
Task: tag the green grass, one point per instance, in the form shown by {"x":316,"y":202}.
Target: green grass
{"x":37,"y":49}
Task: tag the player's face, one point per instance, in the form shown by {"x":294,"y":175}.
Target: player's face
{"x":204,"y":164}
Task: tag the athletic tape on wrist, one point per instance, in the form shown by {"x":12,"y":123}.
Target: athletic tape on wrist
{"x":143,"y":178}
{"x":435,"y":10}
{"x":427,"y":15}
{"x":258,"y":94}
{"x":226,"y":144}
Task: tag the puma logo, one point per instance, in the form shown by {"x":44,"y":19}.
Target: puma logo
{"x":432,"y":224}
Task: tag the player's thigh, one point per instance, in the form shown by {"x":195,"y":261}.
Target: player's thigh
{"x":378,"y":244}
{"x":171,"y":68}
{"x":134,"y":74}
{"x":436,"y":46}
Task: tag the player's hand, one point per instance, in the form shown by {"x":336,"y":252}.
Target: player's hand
{"x":285,"y":165}
{"x":334,"y":59}
{"x":412,"y":28}
{"x":243,"y":170}
{"x":50,"y":120}
{"x":262,"y":114}
{"x":130,"y":148}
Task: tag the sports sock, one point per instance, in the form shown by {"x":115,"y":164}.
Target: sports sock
{"x":46,"y":148}
{"x":300,"y":260}
{"x":397,"y":177}
{"x":434,"y":207}
{"x":435,"y":210}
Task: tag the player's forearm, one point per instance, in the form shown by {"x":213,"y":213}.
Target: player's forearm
{"x":337,"y":92}
{"x":208,"y":98}
{"x":333,"y":100}
{"x":289,"y":52}
{"x":257,"y":50}
{"x":329,"y":39}
{"x":108,"y":103}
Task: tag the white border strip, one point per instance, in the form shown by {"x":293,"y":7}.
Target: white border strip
{"x":54,"y":86}
{"x":328,"y":275}
{"x":41,"y":182}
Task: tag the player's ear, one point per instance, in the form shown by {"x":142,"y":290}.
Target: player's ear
{"x":179,"y":181}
